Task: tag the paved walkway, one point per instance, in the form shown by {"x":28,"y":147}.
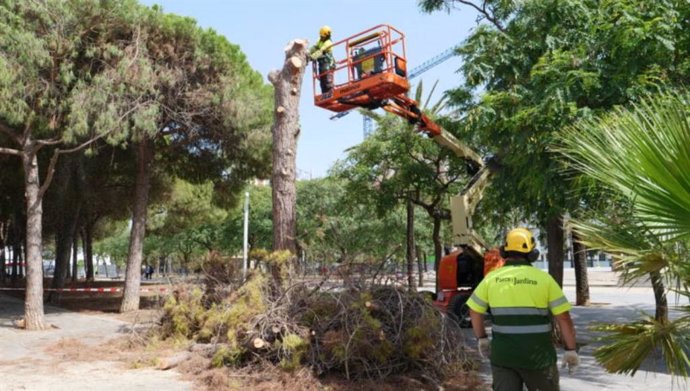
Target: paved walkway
{"x":24,"y":364}
{"x":610,"y":304}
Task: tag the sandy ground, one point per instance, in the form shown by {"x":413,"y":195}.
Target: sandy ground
{"x":26,"y":364}
{"x":27,"y":361}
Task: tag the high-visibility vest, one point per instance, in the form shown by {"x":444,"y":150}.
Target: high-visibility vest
{"x":326,"y":47}
{"x":522,"y":299}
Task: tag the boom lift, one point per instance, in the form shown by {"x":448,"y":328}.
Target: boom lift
{"x":371,"y":73}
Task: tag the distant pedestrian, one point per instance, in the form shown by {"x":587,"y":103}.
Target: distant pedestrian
{"x":149,"y":272}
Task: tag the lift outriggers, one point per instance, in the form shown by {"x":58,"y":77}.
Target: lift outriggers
{"x":371,"y":72}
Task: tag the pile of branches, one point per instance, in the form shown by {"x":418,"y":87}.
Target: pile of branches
{"x":358,"y":333}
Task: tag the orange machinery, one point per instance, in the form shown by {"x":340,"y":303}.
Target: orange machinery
{"x":371,"y":73}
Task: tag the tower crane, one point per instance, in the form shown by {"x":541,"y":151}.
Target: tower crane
{"x":367,"y":123}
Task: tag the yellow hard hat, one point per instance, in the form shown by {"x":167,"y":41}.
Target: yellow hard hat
{"x":324,"y":32}
{"x":520,"y":240}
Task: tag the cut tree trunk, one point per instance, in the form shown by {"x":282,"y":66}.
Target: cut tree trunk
{"x":286,"y":128}
{"x":581,"y":280}
{"x":130,"y":298}
{"x":287,"y":85}
{"x":554,"y":239}
{"x":34,"y":315}
{"x":172,"y":362}
{"x":410,"y":244}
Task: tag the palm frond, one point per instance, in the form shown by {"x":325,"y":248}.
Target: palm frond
{"x":628,"y":345}
{"x":643,"y":153}
{"x":418,"y":91}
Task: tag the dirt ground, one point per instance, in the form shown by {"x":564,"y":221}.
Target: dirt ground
{"x":92,"y":347}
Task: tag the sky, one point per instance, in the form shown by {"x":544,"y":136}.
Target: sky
{"x":262,"y":29}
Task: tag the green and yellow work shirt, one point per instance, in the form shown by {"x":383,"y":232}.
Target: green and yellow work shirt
{"x":522,"y":299}
{"x":326,"y":48}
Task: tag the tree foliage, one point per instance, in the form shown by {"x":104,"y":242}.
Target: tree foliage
{"x":539,"y":66}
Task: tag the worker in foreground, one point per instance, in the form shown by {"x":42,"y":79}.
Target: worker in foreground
{"x":322,"y":53}
{"x":522,"y":298}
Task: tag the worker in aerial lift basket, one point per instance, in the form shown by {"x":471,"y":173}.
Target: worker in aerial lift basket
{"x":522,"y":300}
{"x":322,"y":53}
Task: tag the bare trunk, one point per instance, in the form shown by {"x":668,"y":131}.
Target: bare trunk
{"x":410,"y":244}
{"x":20,"y":259}
{"x":62,"y":254}
{"x":438,"y":247}
{"x":65,"y":239}
{"x":34,"y":315}
{"x":287,"y":84}
{"x":420,"y":268}
{"x":286,"y":128}
{"x":87,"y":243}
{"x":554,"y":238}
{"x":581,"y":281}
{"x":661,"y":313}
{"x":3,"y":258}
{"x":75,"y":255}
{"x":16,"y":250}
{"x":130,"y":298}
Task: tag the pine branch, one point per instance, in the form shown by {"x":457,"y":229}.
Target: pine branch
{"x":10,"y":151}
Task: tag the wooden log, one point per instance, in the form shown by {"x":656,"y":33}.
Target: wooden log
{"x":172,"y":362}
{"x":372,"y":306}
{"x":259,"y":343}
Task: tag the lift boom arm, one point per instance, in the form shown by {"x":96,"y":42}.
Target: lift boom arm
{"x":464,"y":204}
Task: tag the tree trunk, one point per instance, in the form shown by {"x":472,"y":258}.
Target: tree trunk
{"x":554,"y":239}
{"x":75,"y":256}
{"x":34,"y":316}
{"x":420,"y":267}
{"x":87,"y":243}
{"x":438,"y":247}
{"x":286,"y":128}
{"x":16,"y":250}
{"x":410,"y":244}
{"x":22,"y":256}
{"x":130,"y":298}
{"x":65,"y":239}
{"x":287,"y":85}
{"x":580,"y":263}
{"x":3,"y":235}
{"x":661,"y":313}
{"x":63,"y":246}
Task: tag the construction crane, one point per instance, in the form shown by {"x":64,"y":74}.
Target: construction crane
{"x":367,"y":123}
{"x":373,"y":74}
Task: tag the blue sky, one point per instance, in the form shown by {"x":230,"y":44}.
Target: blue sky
{"x":262,"y":29}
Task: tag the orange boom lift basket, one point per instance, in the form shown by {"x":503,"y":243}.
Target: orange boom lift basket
{"x":370,"y":68}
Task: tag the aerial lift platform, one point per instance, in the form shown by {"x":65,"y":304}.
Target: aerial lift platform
{"x":371,"y":72}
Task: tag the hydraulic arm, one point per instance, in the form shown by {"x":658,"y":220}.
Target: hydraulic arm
{"x":464,"y":204}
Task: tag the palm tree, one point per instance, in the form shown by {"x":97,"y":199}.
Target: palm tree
{"x":642,"y":155}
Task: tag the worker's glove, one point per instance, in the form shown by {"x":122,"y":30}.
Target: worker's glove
{"x":571,"y":360}
{"x":484,"y":347}
{"x":315,"y":56}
